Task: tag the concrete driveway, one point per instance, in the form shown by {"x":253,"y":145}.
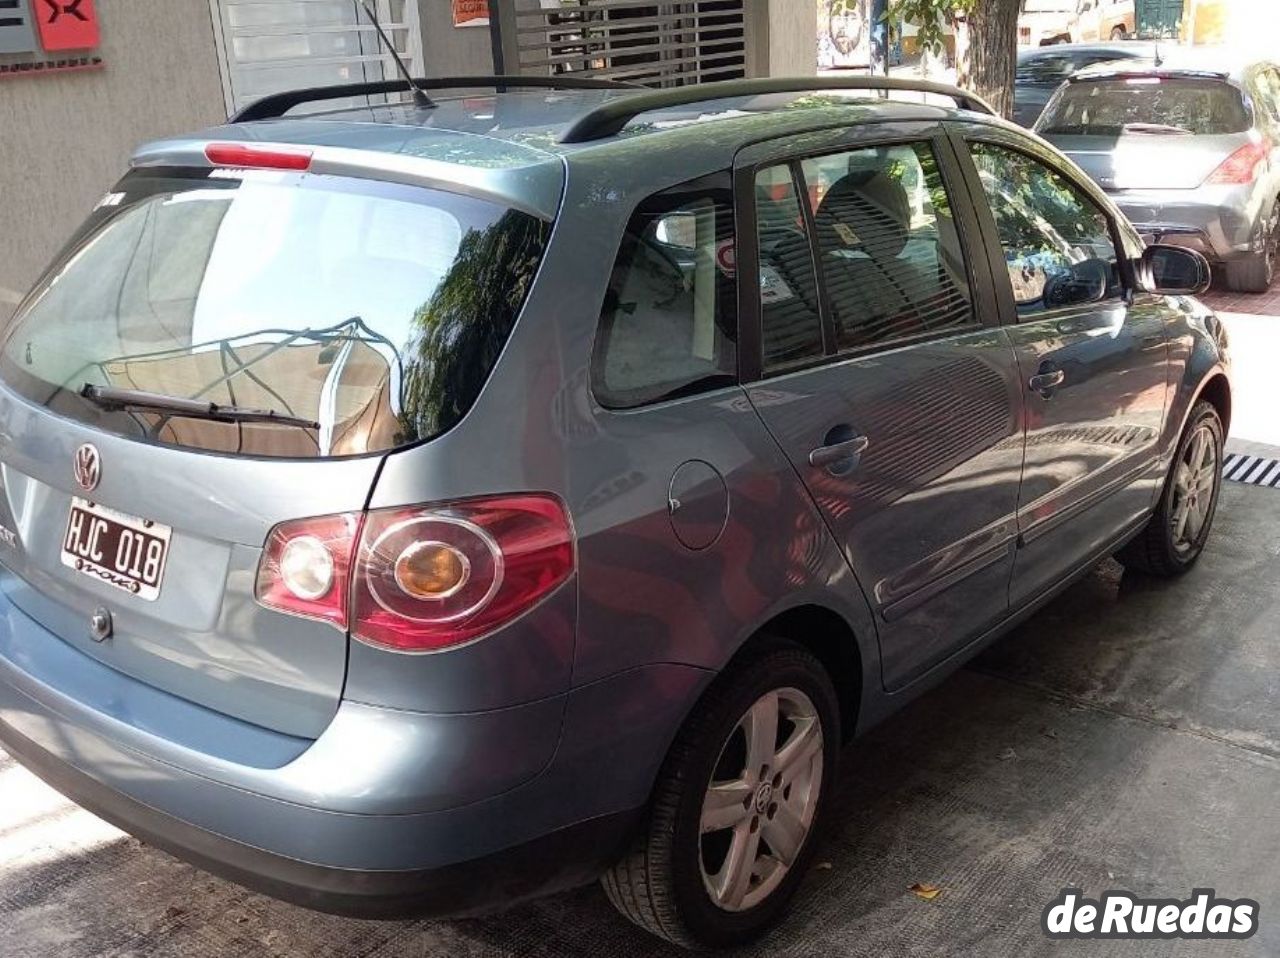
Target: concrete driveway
{"x":1127,"y":737}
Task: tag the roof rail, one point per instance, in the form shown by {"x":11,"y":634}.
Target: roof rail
{"x":608,"y":119}
{"x":278,"y":104}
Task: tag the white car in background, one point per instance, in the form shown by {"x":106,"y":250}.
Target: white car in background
{"x":1102,"y":20}
{"x":1043,"y":22}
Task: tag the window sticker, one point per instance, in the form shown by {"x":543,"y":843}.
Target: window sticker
{"x":773,"y":288}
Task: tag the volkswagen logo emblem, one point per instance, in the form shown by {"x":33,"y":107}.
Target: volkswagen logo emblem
{"x":88,"y":467}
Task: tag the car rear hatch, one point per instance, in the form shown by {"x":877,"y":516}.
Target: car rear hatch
{"x":1147,"y":132}
{"x":233,"y":341}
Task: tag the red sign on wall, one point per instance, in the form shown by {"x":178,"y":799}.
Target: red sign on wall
{"x":67,"y":24}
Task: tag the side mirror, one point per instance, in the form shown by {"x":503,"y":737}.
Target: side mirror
{"x":1077,"y":284}
{"x":1175,"y":271}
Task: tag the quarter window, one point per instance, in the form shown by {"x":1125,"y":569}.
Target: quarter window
{"x":889,"y":251}
{"x":1057,"y":243}
{"x":668,"y":326}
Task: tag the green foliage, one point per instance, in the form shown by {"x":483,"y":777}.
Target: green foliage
{"x":929,"y":17}
{"x":459,"y":332}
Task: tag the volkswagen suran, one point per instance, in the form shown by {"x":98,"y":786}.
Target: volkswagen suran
{"x":411,"y":508}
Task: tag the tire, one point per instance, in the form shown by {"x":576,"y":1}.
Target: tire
{"x":1117,"y":33}
{"x":665,"y":883}
{"x":1255,"y":273}
{"x":1170,"y":544}
{"x":1251,"y":275}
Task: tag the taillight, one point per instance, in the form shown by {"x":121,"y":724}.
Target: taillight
{"x":1241,"y":166}
{"x":246,"y":156}
{"x":420,"y":579}
{"x":305,"y":565}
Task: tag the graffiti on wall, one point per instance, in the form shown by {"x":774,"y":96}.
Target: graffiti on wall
{"x":48,"y":36}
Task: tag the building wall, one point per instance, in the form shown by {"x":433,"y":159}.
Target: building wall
{"x":783,"y":38}
{"x":65,"y":138}
{"x":1247,"y":26}
{"x":448,"y":50}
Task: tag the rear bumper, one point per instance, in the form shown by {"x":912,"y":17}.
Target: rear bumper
{"x":1223,"y":223}
{"x":388,"y":813}
{"x":562,"y":859}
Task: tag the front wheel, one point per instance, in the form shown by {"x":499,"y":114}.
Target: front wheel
{"x":1175,"y":536}
{"x":737,"y":805}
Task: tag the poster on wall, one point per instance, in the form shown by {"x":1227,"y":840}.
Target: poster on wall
{"x":470,"y":13}
{"x":844,"y":34}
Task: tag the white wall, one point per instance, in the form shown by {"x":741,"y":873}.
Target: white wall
{"x":66,"y":138}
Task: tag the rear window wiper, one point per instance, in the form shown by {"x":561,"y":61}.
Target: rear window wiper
{"x":1155,"y":128}
{"x":114,"y":398}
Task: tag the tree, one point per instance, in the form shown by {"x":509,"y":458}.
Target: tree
{"x":986,"y":41}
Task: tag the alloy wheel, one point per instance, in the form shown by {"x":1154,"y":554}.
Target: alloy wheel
{"x":1195,"y":483}
{"x":759,"y":807}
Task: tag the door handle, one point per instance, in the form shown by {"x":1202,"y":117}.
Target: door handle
{"x":1046,"y":383}
{"x":825,"y":456}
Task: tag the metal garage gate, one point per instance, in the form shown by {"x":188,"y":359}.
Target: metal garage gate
{"x":265,"y":46}
{"x":659,"y":44}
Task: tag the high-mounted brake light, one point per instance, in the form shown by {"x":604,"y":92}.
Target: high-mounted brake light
{"x":1241,"y":167}
{"x":245,"y":156}
{"x":423,"y":578}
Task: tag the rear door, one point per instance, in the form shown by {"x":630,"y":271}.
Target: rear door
{"x":347,"y":306}
{"x":880,"y":368}
{"x":1091,"y":351}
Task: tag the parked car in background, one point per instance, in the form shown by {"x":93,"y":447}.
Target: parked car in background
{"x":1042,"y":70}
{"x":1188,"y":149}
{"x":1043,"y":22}
{"x":1096,"y":20}
{"x":414,"y":508}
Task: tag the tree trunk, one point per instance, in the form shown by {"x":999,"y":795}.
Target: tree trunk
{"x":990,"y":42}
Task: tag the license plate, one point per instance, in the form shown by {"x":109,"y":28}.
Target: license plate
{"x":120,"y":550}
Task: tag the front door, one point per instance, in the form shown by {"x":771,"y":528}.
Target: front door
{"x":1092,"y":358}
{"x":887,"y":381}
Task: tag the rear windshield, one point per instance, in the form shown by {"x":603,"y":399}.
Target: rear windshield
{"x":1145,"y":105}
{"x":368,"y":313}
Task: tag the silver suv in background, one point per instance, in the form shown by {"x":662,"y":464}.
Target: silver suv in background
{"x":1188,"y":147}
{"x":413,"y":508}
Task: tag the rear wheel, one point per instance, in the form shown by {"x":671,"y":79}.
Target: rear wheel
{"x":1255,"y":273}
{"x":1172,"y":541}
{"x":737,"y":805}
{"x":1117,"y":33}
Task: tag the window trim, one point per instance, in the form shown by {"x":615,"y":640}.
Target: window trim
{"x":968,"y":228}
{"x":672,"y":198}
{"x":991,"y":234}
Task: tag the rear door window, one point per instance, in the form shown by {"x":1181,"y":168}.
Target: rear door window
{"x":790,"y":317}
{"x":668,"y":327}
{"x":1145,"y":104}
{"x":888,"y":246}
{"x":373,"y":310}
